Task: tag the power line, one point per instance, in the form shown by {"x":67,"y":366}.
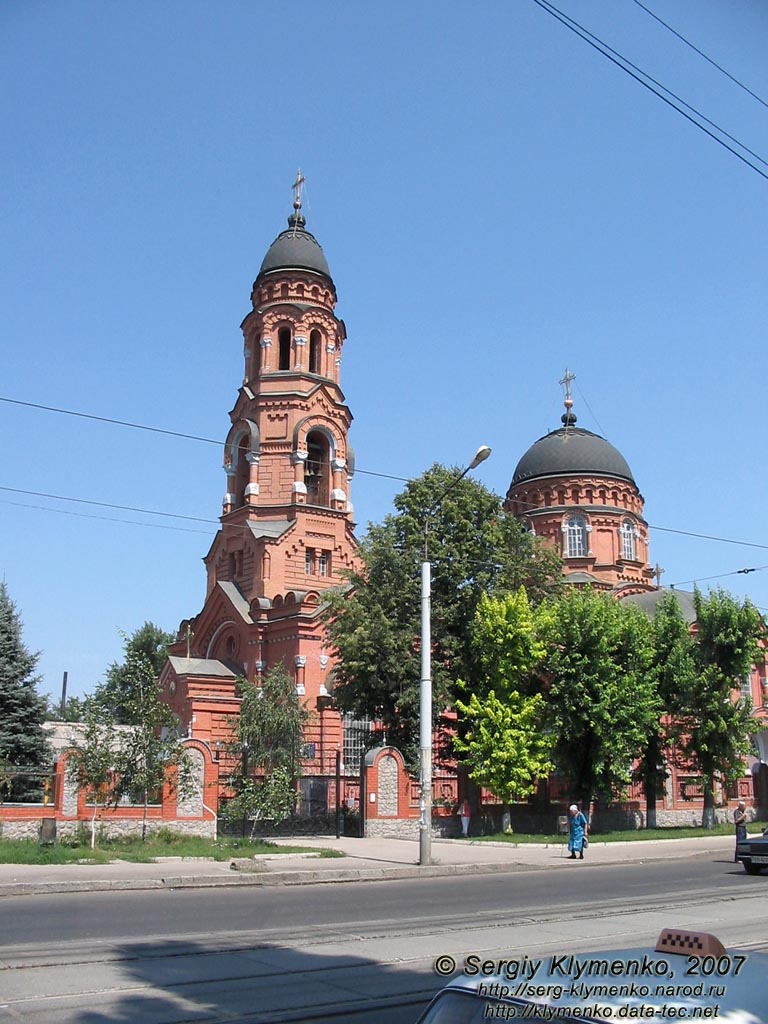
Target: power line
{"x":104,"y":519}
{"x":706,"y":536}
{"x":719,"y":576}
{"x":626,"y":65}
{"x":108,"y":419}
{"x":157,"y":430}
{"x":702,"y":54}
{"x":106,"y":504}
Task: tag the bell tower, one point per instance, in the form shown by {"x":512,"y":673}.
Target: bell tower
{"x":287,"y":459}
{"x":287,"y":530}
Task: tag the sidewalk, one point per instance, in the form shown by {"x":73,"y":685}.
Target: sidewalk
{"x":372,"y":859}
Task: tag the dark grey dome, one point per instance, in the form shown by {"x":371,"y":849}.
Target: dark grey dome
{"x":571,"y":451}
{"x":295,"y":249}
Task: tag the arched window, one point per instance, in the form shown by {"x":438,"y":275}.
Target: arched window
{"x":576,"y":537}
{"x":242,"y":472}
{"x":315,"y":349}
{"x":628,"y":535}
{"x":284,"y":343}
{"x":317,"y":469}
{"x":284,"y":291}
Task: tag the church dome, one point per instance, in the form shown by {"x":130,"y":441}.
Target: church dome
{"x":295,"y":249}
{"x":571,"y":451}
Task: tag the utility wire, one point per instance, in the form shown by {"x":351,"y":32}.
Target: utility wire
{"x":625,"y":65}
{"x":106,"y":504}
{"x":104,"y":519}
{"x":107,"y":419}
{"x":194,"y":437}
{"x":669,"y":92}
{"x":158,"y":430}
{"x":702,"y":54}
{"x":719,"y":576}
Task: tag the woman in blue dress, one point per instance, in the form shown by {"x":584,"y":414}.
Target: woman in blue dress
{"x":578,"y":832}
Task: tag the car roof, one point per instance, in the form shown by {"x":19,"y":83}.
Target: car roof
{"x":697,"y":977}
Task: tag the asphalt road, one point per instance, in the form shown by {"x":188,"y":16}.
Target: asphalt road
{"x":361,"y":952}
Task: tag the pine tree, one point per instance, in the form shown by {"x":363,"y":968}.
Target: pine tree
{"x":22,"y":709}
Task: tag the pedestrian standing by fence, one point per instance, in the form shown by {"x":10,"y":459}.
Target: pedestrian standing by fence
{"x":579,"y":828}
{"x":740,"y":821}
{"x":464,"y":813}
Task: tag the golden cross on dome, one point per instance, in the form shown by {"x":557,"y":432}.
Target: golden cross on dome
{"x":296,"y":188}
{"x":567,"y":382}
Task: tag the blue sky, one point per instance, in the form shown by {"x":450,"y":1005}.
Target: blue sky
{"x":496,"y":201}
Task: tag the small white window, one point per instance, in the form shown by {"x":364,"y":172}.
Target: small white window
{"x":576,"y":537}
{"x":628,"y":535}
{"x":309,"y":562}
{"x":322,"y":563}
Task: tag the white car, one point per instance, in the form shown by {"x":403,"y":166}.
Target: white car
{"x":687,"y":976}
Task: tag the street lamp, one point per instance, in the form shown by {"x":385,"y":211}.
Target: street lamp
{"x":425,"y":685}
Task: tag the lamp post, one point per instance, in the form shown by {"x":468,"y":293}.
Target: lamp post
{"x":425,"y":685}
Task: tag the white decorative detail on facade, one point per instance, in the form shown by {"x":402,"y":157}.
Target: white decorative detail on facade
{"x":229,"y":498}
{"x":251,"y":489}
{"x":300,"y":689}
{"x":300,"y":340}
{"x":299,"y":457}
{"x":300,"y":660}
{"x":252,"y":458}
{"x":266,"y":343}
{"x":338,"y":495}
{"x":339,"y":463}
{"x":299,"y":487}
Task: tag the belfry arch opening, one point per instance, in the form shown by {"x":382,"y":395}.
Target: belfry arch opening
{"x":315,"y":350}
{"x":317,"y":468}
{"x":284,"y":348}
{"x":242,"y":474}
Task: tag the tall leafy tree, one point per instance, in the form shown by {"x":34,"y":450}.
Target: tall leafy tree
{"x":675,"y":670}
{"x":146,"y":647}
{"x":151,"y":756}
{"x":268,"y":746}
{"x":475,"y":548}
{"x":22,"y":709}
{"x":92,"y":759}
{"x":600,"y":688}
{"x":716,"y":722}
{"x":501,"y":739}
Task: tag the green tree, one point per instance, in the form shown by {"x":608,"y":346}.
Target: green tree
{"x":600,"y":689}
{"x":675,"y":674}
{"x":501,"y":739}
{"x":146,"y":646}
{"x":715,"y":725}
{"x":151,"y":755}
{"x":22,"y":709}
{"x":93,"y":758}
{"x":74,"y":711}
{"x":475,"y":548}
{"x":268,"y":745}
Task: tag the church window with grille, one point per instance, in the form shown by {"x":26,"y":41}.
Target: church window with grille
{"x":315,"y":349}
{"x":309,"y":562}
{"x":628,"y":546}
{"x":316,"y":469}
{"x":284,"y":344}
{"x":576,"y":537}
{"x":357,"y":740}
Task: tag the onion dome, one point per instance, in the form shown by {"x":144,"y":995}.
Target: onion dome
{"x":295,"y":248}
{"x":571,"y":451}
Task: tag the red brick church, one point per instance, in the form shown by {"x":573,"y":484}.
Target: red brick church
{"x":287,"y":529}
